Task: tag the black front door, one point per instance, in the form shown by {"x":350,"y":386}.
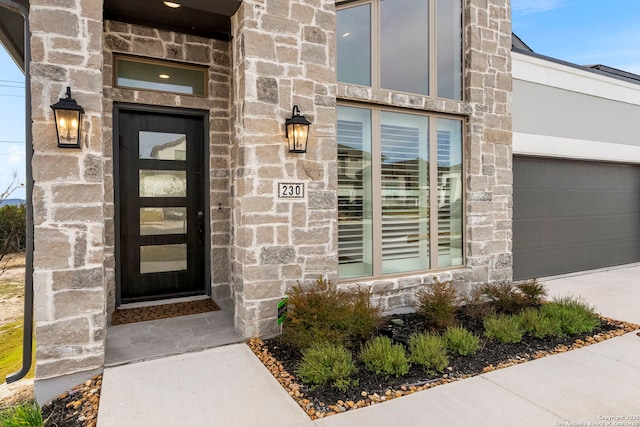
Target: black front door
{"x":161,"y":205}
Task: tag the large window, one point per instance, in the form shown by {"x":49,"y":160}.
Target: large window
{"x":399,"y":192}
{"x":412,"y":46}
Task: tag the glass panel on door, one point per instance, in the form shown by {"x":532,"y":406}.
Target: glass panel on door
{"x":163,"y":146}
{"x":163,"y":183}
{"x":161,"y":258}
{"x":156,"y":221}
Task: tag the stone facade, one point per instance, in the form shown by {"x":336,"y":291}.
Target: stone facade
{"x":68,"y":196}
{"x":282,"y":54}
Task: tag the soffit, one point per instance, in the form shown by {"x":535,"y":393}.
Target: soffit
{"x":12,"y":32}
{"x":208,"y":18}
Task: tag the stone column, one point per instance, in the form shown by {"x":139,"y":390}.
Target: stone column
{"x":66,"y":49}
{"x":284,"y":55}
{"x":488,"y":143}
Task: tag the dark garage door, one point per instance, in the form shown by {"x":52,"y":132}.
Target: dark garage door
{"x":573,"y":215}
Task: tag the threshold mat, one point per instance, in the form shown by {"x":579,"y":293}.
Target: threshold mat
{"x":164,"y":311}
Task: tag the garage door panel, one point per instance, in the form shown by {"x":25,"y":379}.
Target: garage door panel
{"x":573,"y":215}
{"x":583,"y":257}
{"x":552,"y":233}
{"x":575,"y":175}
{"x":572,"y":203}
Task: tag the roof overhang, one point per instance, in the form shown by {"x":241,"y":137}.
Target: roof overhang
{"x":207,"y":18}
{"x":12,"y":29}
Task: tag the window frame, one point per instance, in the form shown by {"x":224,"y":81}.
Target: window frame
{"x":432,"y":43}
{"x":169,"y":64}
{"x":376,"y":197}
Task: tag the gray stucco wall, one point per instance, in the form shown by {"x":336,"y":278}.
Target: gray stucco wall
{"x":545,"y":110}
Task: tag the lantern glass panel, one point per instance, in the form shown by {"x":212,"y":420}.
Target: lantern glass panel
{"x":68,"y":122}
{"x":297,"y":137}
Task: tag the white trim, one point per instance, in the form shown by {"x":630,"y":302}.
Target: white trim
{"x":554,"y":146}
{"x":536,"y":70}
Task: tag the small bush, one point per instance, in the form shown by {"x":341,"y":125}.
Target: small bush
{"x":382,"y":357}
{"x":504,"y":296}
{"x":438,"y":302}
{"x":475,"y":305}
{"x":26,"y":415}
{"x":575,"y":316}
{"x":532,"y":291}
{"x":364,"y":317}
{"x":461,"y":341}
{"x":428,"y":351}
{"x":322,"y":311}
{"x":503,"y":328}
{"x":324,"y":363}
{"x":538,"y":325}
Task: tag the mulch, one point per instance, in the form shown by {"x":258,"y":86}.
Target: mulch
{"x":164,"y":311}
{"x":282,"y":359}
{"x":76,"y":408}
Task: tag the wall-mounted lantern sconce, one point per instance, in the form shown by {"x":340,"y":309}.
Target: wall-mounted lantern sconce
{"x":297,"y":131}
{"x":68,"y":117}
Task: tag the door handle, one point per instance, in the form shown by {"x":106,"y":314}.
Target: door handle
{"x":201,"y":226}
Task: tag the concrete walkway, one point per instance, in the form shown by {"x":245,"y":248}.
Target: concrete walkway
{"x":228,"y":386}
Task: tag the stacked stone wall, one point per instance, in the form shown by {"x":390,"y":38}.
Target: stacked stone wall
{"x":68,"y":196}
{"x":489,"y":139}
{"x":284,"y":55}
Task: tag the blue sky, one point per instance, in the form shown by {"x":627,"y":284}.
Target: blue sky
{"x":579,"y":31}
{"x":12,"y":123}
{"x":582,"y":31}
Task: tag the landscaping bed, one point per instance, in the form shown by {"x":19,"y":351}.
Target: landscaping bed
{"x":76,"y":408}
{"x":283,"y":359}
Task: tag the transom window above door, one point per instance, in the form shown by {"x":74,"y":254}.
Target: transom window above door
{"x":162,"y":76}
{"x":412,"y":46}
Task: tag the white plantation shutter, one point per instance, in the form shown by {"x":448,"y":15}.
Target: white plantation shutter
{"x":350,"y":192}
{"x":444,"y":192}
{"x":403,"y":184}
{"x":400,"y":199}
{"x":449,"y":193}
{"x":386,"y":230}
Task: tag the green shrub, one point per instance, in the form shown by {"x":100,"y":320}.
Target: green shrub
{"x":503,"y":328}
{"x":26,"y":415}
{"x":13,"y":228}
{"x":324,"y":363}
{"x":322,"y":311}
{"x":532,"y":291}
{"x":428,"y":351}
{"x":382,"y":357}
{"x":504,"y":296}
{"x":575,"y":316}
{"x":438,"y":303}
{"x":538,"y":325}
{"x":461,"y":341}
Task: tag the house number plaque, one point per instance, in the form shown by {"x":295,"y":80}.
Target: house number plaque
{"x":291,"y":190}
